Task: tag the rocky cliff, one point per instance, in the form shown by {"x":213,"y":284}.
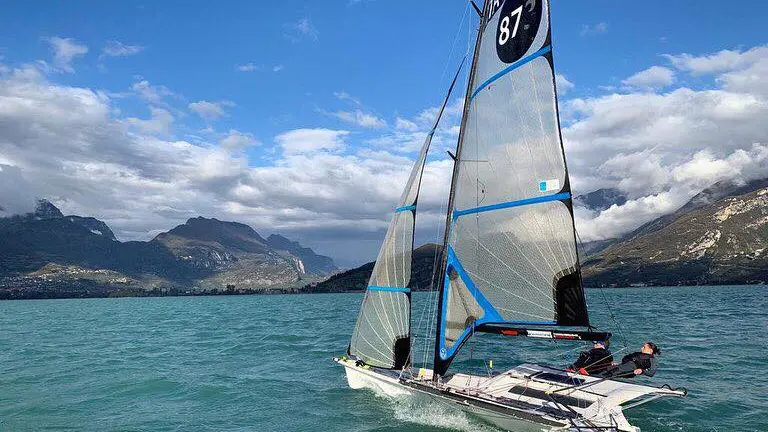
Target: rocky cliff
{"x":717,"y":238}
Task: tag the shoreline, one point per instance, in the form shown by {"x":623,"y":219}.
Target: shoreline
{"x":19,"y":294}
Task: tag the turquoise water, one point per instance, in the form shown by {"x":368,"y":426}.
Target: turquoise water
{"x":262,"y":363}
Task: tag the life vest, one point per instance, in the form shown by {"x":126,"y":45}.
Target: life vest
{"x":595,"y":361}
{"x":641,"y":360}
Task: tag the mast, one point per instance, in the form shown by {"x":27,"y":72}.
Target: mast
{"x":449,"y":216}
{"x":510,"y":261}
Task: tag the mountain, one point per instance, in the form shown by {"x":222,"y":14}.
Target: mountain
{"x":601,"y":199}
{"x":235,"y":254}
{"x":717,"y":191}
{"x":719,"y":237}
{"x":45,"y":210}
{"x":312,"y":262}
{"x":356,"y":280}
{"x":44,"y":249}
{"x":94,"y":225}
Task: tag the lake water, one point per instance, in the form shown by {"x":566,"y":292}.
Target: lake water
{"x":263,"y":363}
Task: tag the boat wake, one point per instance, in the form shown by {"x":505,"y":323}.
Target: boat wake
{"x":428,"y":412}
{"x":435,"y":414}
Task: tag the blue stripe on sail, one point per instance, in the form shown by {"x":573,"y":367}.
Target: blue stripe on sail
{"x":405,"y":208}
{"x":510,"y":68}
{"x":518,"y":203}
{"x":490,"y":316}
{"x":388,"y":289}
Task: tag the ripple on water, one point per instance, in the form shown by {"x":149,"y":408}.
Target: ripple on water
{"x":262,"y":363}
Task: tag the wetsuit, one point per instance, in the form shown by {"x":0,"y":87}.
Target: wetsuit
{"x":594,"y":361}
{"x":647,"y":362}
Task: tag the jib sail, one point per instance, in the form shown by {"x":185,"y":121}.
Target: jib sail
{"x":382,"y":334}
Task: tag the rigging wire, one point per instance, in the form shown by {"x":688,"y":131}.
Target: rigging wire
{"x":606,"y":301}
{"x":430,"y":305}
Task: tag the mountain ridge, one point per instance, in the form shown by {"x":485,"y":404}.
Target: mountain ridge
{"x":705,"y":243}
{"x":44,"y":249}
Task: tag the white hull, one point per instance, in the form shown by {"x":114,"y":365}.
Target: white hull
{"x":500,"y":401}
{"x":359,"y":378}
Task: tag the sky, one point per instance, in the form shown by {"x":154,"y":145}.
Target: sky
{"x":303,"y":118}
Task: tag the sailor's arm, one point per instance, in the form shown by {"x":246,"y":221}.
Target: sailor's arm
{"x":651,"y":371}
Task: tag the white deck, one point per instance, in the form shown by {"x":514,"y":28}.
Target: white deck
{"x":527,"y":397}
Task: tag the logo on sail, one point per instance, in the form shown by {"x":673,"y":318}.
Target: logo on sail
{"x":518,"y":24}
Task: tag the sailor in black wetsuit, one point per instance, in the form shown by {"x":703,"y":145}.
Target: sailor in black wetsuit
{"x":637,"y":363}
{"x":593,"y":362}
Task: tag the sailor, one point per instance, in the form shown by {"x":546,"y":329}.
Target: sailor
{"x":595,"y":361}
{"x":637,"y":363}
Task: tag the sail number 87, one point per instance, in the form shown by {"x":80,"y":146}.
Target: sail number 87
{"x":504,"y":33}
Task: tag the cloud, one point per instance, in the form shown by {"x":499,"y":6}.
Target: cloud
{"x":115,"y":48}
{"x":563,"y":85}
{"x":344,"y":96}
{"x":65,"y":50}
{"x":150,"y":93}
{"x":277,"y":68}
{"x":723,"y":61}
{"x":159,"y":123}
{"x":405,"y":125}
{"x":248,"y":67}
{"x":653,"y":77}
{"x":210,"y":111}
{"x":238,"y":141}
{"x":409,"y":134}
{"x":663,"y":148}
{"x":360,"y":118}
{"x":334,"y":190}
{"x":69,"y":144}
{"x":14,"y":192}
{"x":303,"y":29}
{"x":594,"y":29}
{"x":305,"y":141}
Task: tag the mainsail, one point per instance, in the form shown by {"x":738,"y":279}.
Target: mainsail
{"x":510,"y":240}
{"x":382,"y":334}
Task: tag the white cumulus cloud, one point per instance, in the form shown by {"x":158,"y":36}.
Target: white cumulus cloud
{"x":305,"y":141}
{"x":653,"y":77}
{"x":236,"y":140}
{"x":662,"y":148}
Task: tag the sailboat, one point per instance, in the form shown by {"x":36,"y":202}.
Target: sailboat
{"x":509,"y":264}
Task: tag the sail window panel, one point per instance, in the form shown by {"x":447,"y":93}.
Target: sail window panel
{"x":488,"y":62}
{"x":516,"y":255}
{"x":461,"y":310}
{"x":512,"y":143}
{"x":393,"y":266}
{"x":384,"y":318}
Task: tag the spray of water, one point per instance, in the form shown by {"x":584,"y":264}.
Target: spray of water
{"x":428,"y":412}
